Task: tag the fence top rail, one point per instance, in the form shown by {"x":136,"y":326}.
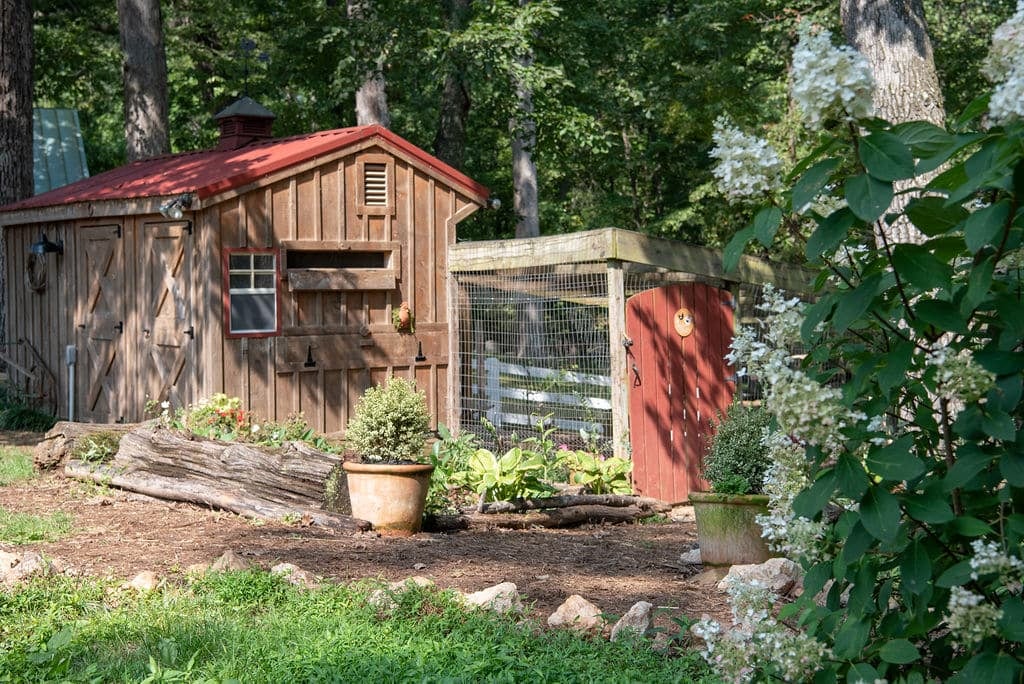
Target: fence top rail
{"x":545,"y":373}
{"x":616,"y":244}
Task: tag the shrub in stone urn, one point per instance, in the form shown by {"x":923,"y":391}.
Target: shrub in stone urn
{"x":734,"y":467}
{"x":388,"y":432}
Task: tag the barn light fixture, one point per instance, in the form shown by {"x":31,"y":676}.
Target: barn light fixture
{"x":174,"y":208}
{"x":44,"y":246}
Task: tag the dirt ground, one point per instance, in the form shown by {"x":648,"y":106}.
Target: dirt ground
{"x":120,"y":534}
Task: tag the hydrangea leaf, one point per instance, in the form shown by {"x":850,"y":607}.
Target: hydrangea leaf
{"x":899,"y":652}
{"x":831,"y":231}
{"x":868,"y":197}
{"x":766,"y":224}
{"x":810,"y":185}
{"x":880,"y":513}
{"x":886,"y":157}
{"x":986,"y":225}
{"x":918,"y":266}
{"x":932,"y":216}
{"x":915,"y":570}
{"x":896,"y":461}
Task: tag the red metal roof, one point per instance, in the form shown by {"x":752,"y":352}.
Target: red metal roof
{"x":208,"y":172}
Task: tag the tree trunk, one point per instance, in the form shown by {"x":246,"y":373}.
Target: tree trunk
{"x":16,"y":62}
{"x":450,"y":140}
{"x":372,"y":96}
{"x":560,"y":517}
{"x":893,"y":35}
{"x":651,"y":506}
{"x":524,"y":139}
{"x":145,"y":79}
{"x":245,"y":479}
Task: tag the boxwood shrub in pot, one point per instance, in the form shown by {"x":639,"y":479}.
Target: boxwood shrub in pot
{"x":734,"y":467}
{"x":388,"y":432}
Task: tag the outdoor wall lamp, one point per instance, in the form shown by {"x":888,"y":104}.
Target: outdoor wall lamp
{"x":43,"y":246}
{"x":174,"y":208}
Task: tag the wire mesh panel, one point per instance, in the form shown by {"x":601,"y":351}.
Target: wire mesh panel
{"x":534,"y":353}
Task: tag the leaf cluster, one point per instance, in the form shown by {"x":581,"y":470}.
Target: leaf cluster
{"x":736,"y":459}
{"x":390,"y":423}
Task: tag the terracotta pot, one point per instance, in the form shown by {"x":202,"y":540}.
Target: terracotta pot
{"x":389,"y":496}
{"x":727,"y":531}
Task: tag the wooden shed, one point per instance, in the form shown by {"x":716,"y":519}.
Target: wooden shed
{"x":270,"y":269}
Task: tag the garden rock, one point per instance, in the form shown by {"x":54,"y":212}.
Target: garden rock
{"x":385,"y":598}
{"x":197,"y":569}
{"x":636,"y":621}
{"x":230,"y":560}
{"x":781,"y":575}
{"x":293,"y":574}
{"x":691,"y":557}
{"x":145,"y":581}
{"x":577,"y":613}
{"x":501,"y":598}
{"x":29,"y":564}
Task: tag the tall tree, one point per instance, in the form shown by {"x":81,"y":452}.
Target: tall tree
{"x":16,"y":56}
{"x":450,"y":139}
{"x":372,"y":96}
{"x":893,"y":35}
{"x":144,"y":68}
{"x":523,"y":127}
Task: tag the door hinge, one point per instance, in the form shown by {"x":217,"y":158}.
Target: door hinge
{"x":191,"y":332}
{"x":188,"y":226}
{"x":119,"y":327}
{"x":118,"y":229}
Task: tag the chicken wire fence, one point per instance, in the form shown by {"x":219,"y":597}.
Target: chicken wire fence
{"x":534,"y":350}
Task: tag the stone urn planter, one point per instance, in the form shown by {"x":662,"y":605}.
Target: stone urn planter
{"x":727,"y":531}
{"x":390,"y":496}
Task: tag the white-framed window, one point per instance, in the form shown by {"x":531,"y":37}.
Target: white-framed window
{"x":251,"y":303}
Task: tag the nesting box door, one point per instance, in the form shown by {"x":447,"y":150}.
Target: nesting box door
{"x":679,"y":382}
{"x":165,"y":312}
{"x":100,"y":322}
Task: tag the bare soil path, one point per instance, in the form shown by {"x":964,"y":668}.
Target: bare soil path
{"x":120,"y":534}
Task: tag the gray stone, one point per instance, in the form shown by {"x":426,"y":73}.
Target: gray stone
{"x":691,"y":557}
{"x":230,"y":560}
{"x":143,"y":582}
{"x":501,"y":598}
{"x":637,"y":621}
{"x":780,"y":575}
{"x":385,"y":598}
{"x":295,"y":575}
{"x":577,"y":613}
{"x":30,"y":564}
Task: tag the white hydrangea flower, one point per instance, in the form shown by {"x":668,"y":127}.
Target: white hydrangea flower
{"x":1007,"y":47}
{"x":1007,"y":102}
{"x":970,"y":618}
{"x":748,"y":166}
{"x":989,"y":558}
{"x":830,"y":81}
{"x":959,"y":378}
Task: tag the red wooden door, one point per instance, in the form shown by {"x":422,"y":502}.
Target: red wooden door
{"x":678,"y":383}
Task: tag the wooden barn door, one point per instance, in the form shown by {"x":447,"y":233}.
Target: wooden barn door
{"x":679,"y":381}
{"x":101,"y":319}
{"x":165,"y":314}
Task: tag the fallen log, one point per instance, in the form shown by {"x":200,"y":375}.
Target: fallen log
{"x":59,"y":441}
{"x":560,"y":517}
{"x":176,"y":489}
{"x":566,"y":501}
{"x":292,"y":481}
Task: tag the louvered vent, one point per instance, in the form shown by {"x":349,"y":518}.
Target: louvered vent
{"x":375,"y":185}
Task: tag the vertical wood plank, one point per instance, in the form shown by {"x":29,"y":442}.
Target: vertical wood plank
{"x":617,"y":358}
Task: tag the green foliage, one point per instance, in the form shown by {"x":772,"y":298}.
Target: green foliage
{"x":736,"y":460}
{"x":97,"y":447}
{"x":390,"y":423}
{"x":928,"y":546}
{"x":599,"y":474}
{"x":22,"y":528}
{"x":18,"y":413}
{"x":450,"y":456}
{"x":515,"y":475}
{"x":15,"y":465}
{"x":222,"y":417}
{"x":237,"y":627}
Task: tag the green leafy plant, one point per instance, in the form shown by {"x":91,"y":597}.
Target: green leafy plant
{"x":736,"y":459}
{"x":390,"y":423}
{"x":18,"y":413}
{"x":599,"y":474}
{"x":22,"y":528}
{"x":15,"y":465}
{"x":514,"y":475}
{"x":97,"y":447}
{"x":450,"y":456}
{"x":901,"y":492}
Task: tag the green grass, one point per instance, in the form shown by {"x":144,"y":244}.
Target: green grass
{"x":22,"y":528}
{"x":15,"y":465}
{"x":251,"y":627}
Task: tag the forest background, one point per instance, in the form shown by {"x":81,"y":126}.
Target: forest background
{"x":622,"y":94}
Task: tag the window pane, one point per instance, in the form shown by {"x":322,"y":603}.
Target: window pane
{"x":239,"y":280}
{"x":253,"y":312}
{"x":264,"y":280}
{"x":263,"y":262}
{"x":240,"y":261}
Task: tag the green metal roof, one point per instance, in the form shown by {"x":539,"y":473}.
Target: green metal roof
{"x":59,"y":154}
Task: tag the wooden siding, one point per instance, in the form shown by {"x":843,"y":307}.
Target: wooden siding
{"x":159,"y":332}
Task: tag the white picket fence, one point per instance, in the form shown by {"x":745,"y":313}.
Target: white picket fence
{"x":501,"y":387}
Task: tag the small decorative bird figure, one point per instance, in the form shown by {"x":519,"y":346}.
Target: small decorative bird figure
{"x":403,"y":319}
